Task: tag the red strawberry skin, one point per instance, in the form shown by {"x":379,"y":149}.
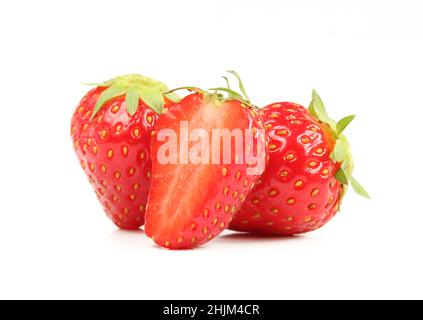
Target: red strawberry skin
{"x":190,"y":204}
{"x":298,"y":192}
{"x":113,"y":150}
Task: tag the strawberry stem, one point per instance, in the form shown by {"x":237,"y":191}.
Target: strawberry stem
{"x":240,"y":84}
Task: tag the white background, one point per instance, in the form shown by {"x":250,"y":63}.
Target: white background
{"x":364,"y":57}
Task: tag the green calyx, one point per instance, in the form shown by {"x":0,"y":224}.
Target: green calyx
{"x":342,"y":151}
{"x":134,"y":87}
{"x":220,"y":95}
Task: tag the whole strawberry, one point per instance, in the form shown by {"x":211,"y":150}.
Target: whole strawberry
{"x":111,"y":131}
{"x":194,"y":191}
{"x":307,"y":174}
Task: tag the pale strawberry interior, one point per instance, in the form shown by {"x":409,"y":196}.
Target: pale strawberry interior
{"x":180,"y":192}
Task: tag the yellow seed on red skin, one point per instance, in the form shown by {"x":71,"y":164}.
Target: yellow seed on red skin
{"x":299,"y":184}
{"x":272,"y":147}
{"x":115,"y":109}
{"x":180,"y":239}
{"x":272,"y":192}
{"x":288,"y":228}
{"x":305,"y":140}
{"x":238,"y":175}
{"x":290,"y":157}
{"x":115,"y":198}
{"x":118,"y":129}
{"x":257,"y":215}
{"x":148,"y":174}
{"x":210,"y":237}
{"x":227,"y":208}
{"x":167,"y":244}
{"x":312,"y":164}
{"x":118,"y":188}
{"x":246,"y":182}
{"x":235,"y":194}
{"x":218,"y":206}
{"x":244,"y":221}
{"x":103,"y":133}
{"x":268,"y":126}
{"x":142,"y":155}
{"x":92,"y":167}
{"x":110,"y":154}
{"x":136,"y":186}
{"x":282,"y":132}
{"x":270,"y":224}
{"x":224,"y":171}
{"x":318,"y":151}
{"x":85,"y":147}
{"x":126,"y":210}
{"x":205,"y":230}
{"x":131,"y":171}
{"x":222,"y":225}
{"x":125,"y":151}
{"x":206,"y":213}
{"x":104,"y":168}
{"x":193,"y":226}
{"x":132,"y":197}
{"x":242,"y":197}
{"x":136,"y":132}
{"x":283,"y":173}
{"x":226,"y":190}
{"x":118,"y":175}
{"x":290,"y":201}
{"x":149,"y":119}
{"x":142,"y":207}
{"x":233,"y":210}
{"x":214,"y":222}
{"x":330,"y":200}
{"x":325,"y":172}
{"x":289,"y":219}
{"x":315,"y":193}
{"x":255,"y":201}
{"x":312,"y":206}
{"x":307,"y":219}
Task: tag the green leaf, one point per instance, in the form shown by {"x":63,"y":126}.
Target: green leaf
{"x":311,"y":109}
{"x":172,"y":96}
{"x":320,"y":110}
{"x":341,"y":151}
{"x":227,"y":82}
{"x":153,"y":99}
{"x":358,"y":188}
{"x":131,"y":100}
{"x":343,"y":123}
{"x":341,"y":177}
{"x":232,"y":94}
{"x":241,"y":85}
{"x":106,"y":95}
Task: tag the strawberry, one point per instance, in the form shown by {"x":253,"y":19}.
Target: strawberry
{"x":111,"y":131}
{"x":309,"y":168}
{"x":191,"y":202}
